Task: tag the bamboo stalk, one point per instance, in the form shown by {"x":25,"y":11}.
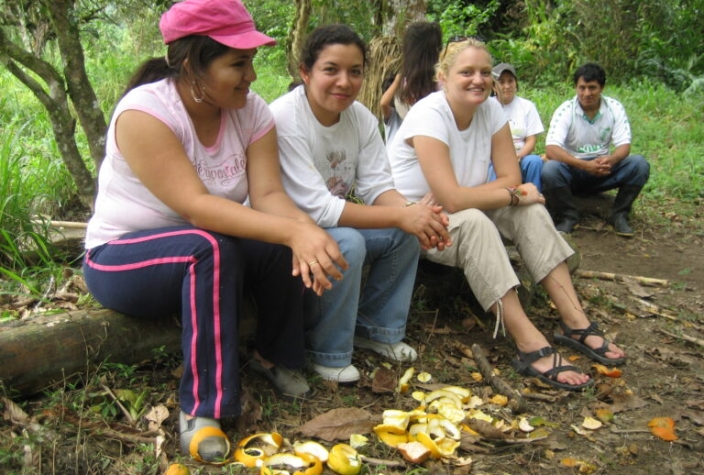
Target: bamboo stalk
{"x":589,"y":274}
{"x":64,"y":224}
{"x":691,"y":339}
{"x":68,"y":224}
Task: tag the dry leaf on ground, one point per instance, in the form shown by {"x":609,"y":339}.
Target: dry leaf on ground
{"x":339,"y":424}
{"x":663,"y":427}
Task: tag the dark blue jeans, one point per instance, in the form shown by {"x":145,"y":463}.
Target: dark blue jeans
{"x":633,"y":170}
{"x":203,"y":277}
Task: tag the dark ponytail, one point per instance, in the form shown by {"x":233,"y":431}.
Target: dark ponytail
{"x":190,"y":55}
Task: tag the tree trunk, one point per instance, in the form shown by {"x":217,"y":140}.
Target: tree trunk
{"x":385,"y":51}
{"x":37,"y":352}
{"x":297,"y":36}
{"x":80,"y":89}
{"x":400,"y":13}
{"x":52,"y":94}
{"x":53,"y":98}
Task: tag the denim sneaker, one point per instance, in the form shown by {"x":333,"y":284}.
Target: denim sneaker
{"x":287,"y":381}
{"x":346,"y":374}
{"x":213,"y":446}
{"x":396,"y":351}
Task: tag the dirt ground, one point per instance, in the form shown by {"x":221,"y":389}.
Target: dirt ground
{"x":660,"y":326}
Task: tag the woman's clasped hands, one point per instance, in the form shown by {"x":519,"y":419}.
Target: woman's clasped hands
{"x":427,"y":221}
{"x":316,"y":257}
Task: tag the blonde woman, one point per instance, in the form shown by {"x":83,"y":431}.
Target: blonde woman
{"x":445,"y":145}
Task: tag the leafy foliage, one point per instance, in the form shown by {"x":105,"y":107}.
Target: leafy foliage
{"x":463,"y":18}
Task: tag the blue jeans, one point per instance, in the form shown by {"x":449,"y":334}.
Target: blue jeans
{"x":531,"y":168}
{"x":379,"y":310}
{"x":633,"y":170}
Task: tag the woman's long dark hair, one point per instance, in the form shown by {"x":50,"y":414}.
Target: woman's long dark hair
{"x":422,"y":44}
{"x":329,"y":35}
{"x":190,"y":55}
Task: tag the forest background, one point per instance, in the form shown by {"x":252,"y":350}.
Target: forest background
{"x":65,"y":64}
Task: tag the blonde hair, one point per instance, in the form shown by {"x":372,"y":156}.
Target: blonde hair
{"x":454,"y":48}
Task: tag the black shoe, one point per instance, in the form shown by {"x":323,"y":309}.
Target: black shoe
{"x":566,"y":226}
{"x":623,"y":203}
{"x":561,"y":206}
{"x":621,"y":225}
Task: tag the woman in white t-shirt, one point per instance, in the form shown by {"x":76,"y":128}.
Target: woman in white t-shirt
{"x":187,"y":144}
{"x":445,"y":145}
{"x":523,"y":120}
{"x":330,"y":146}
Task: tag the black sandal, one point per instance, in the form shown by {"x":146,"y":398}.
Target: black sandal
{"x":599,"y":354}
{"x":523,"y":362}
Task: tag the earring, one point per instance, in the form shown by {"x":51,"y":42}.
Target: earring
{"x":193,"y":93}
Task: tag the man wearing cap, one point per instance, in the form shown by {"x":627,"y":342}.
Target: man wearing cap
{"x":589,"y":147}
{"x":523,"y":120}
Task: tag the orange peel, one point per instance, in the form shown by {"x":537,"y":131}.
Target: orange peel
{"x":430,"y":444}
{"x":251,"y":456}
{"x":391,"y":435}
{"x":344,"y":460}
{"x":414,"y":452}
{"x":203,"y":434}
{"x":177,"y":469}
{"x":313,"y":448}
{"x":403,"y":381}
{"x":463,"y":393}
{"x":396,"y":418}
{"x":443,"y":394}
{"x":302,"y":464}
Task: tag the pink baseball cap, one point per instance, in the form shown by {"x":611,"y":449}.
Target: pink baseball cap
{"x":226,"y":21}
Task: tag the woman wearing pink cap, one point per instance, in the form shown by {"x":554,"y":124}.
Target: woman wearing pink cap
{"x":187,"y":145}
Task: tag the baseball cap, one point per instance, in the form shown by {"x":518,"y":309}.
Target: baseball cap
{"x":501,"y":68}
{"x":226,"y":21}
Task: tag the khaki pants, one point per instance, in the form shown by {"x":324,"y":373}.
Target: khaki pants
{"x":477,"y":248}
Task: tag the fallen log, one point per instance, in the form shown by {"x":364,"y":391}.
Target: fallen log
{"x":37,"y":352}
{"x":589,"y":274}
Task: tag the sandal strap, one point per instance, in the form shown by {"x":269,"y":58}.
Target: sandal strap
{"x":527,"y":359}
{"x":592,"y":329}
{"x":558,"y":367}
